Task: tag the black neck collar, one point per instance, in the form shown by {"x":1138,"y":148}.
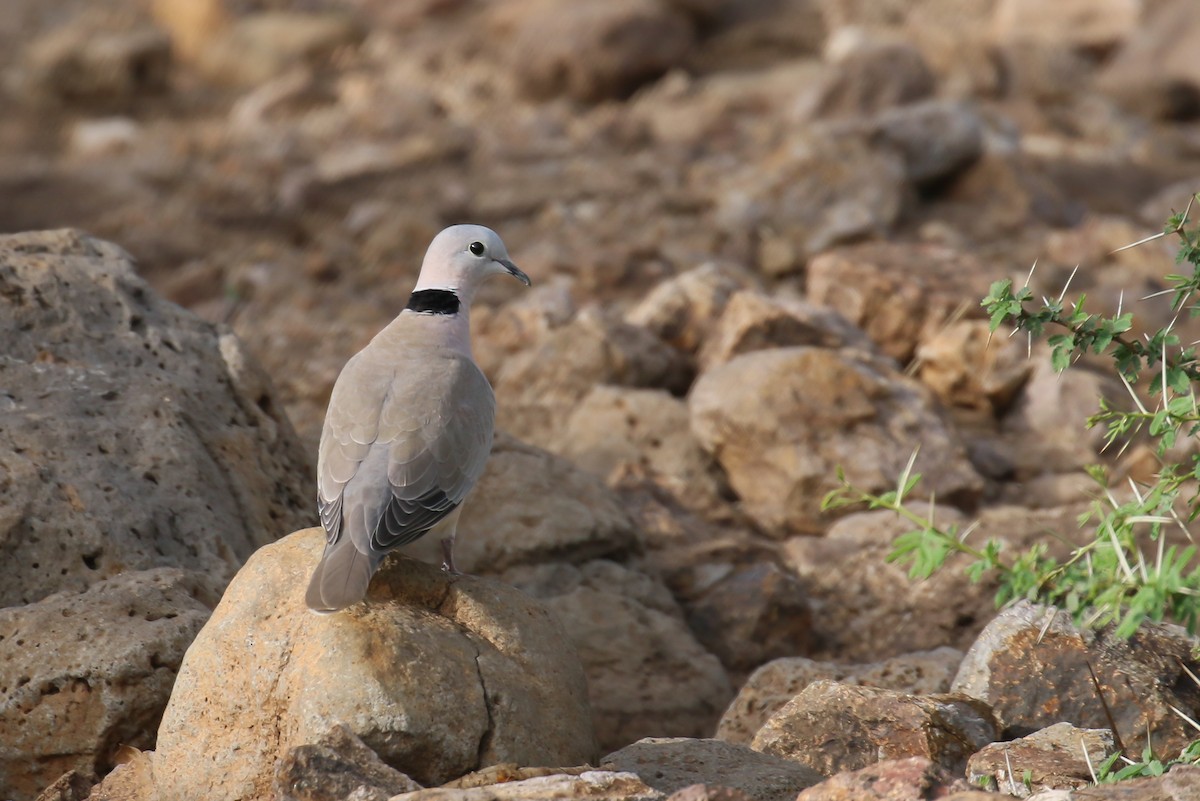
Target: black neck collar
{"x":433,"y":301}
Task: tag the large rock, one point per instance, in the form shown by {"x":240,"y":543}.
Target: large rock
{"x":616,"y":429}
{"x":647,"y":674}
{"x":594,"y":49}
{"x":1058,"y":757}
{"x":894,"y":780}
{"x":1035,"y":668}
{"x":539,"y":387}
{"x":837,"y":727}
{"x":900,"y":294}
{"x":531,"y":506}
{"x":132,"y":434}
{"x":774,"y":684}
{"x":84,"y":673}
{"x":682,"y":309}
{"x":437,"y":675}
{"x":782,"y":421}
{"x":670,"y":765}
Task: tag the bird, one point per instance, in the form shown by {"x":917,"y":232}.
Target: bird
{"x":408,"y":429}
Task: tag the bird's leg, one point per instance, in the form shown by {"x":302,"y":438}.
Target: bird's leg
{"x":448,"y":556}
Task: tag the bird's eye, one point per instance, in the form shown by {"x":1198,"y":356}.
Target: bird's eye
{"x":477,"y":248}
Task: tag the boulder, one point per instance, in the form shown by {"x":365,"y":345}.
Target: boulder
{"x":837,"y":727}
{"x":894,"y":780}
{"x":669,"y":765}
{"x":900,"y":294}
{"x":1035,"y":669}
{"x":1058,"y":757}
{"x":782,"y":421}
{"x":531,"y":506}
{"x":588,"y":785}
{"x":594,"y":50}
{"x":938,"y":139}
{"x":682,"y":309}
{"x":647,"y":675}
{"x":755,"y":321}
{"x":873,"y":76}
{"x":437,"y":675}
{"x":774,"y":684}
{"x":133,"y":435}
{"x":84,"y":674}
{"x":615,"y":430}
{"x":539,"y":387}
{"x":969,"y":366}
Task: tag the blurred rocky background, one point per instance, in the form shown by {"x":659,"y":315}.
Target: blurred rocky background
{"x":758,"y":232}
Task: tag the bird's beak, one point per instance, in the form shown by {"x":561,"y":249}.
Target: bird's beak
{"x":515,"y":272}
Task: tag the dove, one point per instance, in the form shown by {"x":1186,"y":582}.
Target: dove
{"x":409,"y":425}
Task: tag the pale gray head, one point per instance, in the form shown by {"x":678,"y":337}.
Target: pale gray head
{"x":463,"y":256}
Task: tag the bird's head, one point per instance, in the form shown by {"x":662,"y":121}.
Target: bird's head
{"x":462,"y":257}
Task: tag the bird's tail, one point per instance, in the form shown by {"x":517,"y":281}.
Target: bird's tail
{"x":341,"y":578}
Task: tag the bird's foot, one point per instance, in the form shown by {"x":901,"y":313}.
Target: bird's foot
{"x":448,"y":558}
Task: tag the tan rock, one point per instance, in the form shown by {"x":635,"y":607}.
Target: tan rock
{"x":837,"y":727}
{"x":564,"y":513}
{"x":782,"y":421}
{"x":893,"y":780}
{"x":968,"y":365}
{"x":647,"y":674}
{"x":192,"y":24}
{"x":1035,"y":668}
{"x":437,"y":675}
{"x":1078,"y":23}
{"x":900,"y":294}
{"x":591,"y":785}
{"x":755,"y":321}
{"x":538,"y":387}
{"x":77,"y":63}
{"x":681,"y":310}
{"x":671,"y":764}
{"x":1058,"y":757}
{"x":616,"y":429}
{"x":1154,"y":73}
{"x":258,"y":47}
{"x":774,"y":684}
{"x":83,"y":674}
{"x":594,"y":49}
{"x":134,"y":435}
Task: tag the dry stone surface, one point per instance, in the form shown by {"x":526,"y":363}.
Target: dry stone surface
{"x":438,"y":676}
{"x":133,"y":435}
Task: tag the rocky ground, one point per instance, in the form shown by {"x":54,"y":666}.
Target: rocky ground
{"x":758,"y":232}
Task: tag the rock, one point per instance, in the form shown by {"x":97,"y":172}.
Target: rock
{"x":874,"y":76}
{"x":1052,"y":759}
{"x":814,"y":192}
{"x":782,"y":421}
{"x":614,"y":429}
{"x":900,"y":294}
{"x":437,"y":675}
{"x":83,"y":674}
{"x":78,"y":64}
{"x":1077,"y":23}
{"x":192,"y":24}
{"x":647,"y":674}
{"x":73,"y":785}
{"x":754,"y":321}
{"x":969,"y":366}
{"x":774,"y":684}
{"x":870,"y":609}
{"x":937,"y":139}
{"x":894,"y":780}
{"x":564,"y":513}
{"x":681,"y":310}
{"x":703,"y":792}
{"x":1034,"y":667}
{"x":1154,"y":74}
{"x":1052,"y":409}
{"x":340,"y":765}
{"x":754,"y":613}
{"x":255,"y":48}
{"x":836,"y":727}
{"x":540,"y":386}
{"x":133,"y":435}
{"x":105,"y":136}
{"x":594,"y":49}
{"x":669,"y":765}
{"x":591,"y":785}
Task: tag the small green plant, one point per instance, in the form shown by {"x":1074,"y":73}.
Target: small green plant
{"x":1117,"y":768}
{"x":1127,"y":572}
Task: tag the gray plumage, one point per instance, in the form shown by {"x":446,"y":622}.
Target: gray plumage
{"x":409,"y":425}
